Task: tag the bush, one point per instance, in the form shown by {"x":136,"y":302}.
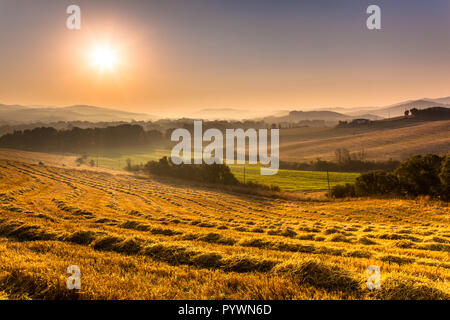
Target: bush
{"x":343,"y":191}
{"x":420,"y":175}
{"x":444,"y":176}
{"x":214,"y":173}
{"x":376,"y":183}
{"x":81,"y":160}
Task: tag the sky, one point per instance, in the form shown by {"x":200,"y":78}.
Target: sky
{"x":175,"y":57}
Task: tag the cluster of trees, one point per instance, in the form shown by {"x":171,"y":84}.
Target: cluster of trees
{"x":214,"y":173}
{"x":346,"y":161}
{"x":420,"y":175}
{"x":51,"y":140}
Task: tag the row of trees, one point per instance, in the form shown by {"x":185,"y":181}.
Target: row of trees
{"x":76,"y":139}
{"x":420,"y":175}
{"x":346,"y":161}
{"x":348,"y":166}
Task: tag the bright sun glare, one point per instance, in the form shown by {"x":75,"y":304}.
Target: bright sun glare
{"x":104,"y":58}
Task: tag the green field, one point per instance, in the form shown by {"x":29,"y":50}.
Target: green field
{"x":116,"y":158}
{"x":293,"y":180}
{"x":287,"y":180}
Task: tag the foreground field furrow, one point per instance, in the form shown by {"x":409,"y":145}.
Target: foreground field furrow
{"x":158,"y":240}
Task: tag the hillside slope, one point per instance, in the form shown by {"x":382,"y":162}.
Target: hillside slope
{"x":397,"y":143}
{"x":20,"y":114}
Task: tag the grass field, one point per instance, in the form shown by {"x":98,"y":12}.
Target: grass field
{"x":293,"y":180}
{"x":287,"y":180}
{"x":136,"y":238}
{"x":116,"y":158}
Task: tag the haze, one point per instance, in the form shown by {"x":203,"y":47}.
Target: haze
{"x":260,"y":56}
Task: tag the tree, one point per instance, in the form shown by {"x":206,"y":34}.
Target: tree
{"x":419,"y":175}
{"x":81,"y":160}
{"x":376,"y":183}
{"x":342,"y":155}
{"x":444,"y":176}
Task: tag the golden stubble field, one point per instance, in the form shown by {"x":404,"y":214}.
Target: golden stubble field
{"x":305,"y":144}
{"x":136,"y":238}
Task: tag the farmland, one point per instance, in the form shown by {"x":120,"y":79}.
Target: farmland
{"x":305,"y":144}
{"x":287,"y":180}
{"x":138,"y":238}
{"x":293,"y":180}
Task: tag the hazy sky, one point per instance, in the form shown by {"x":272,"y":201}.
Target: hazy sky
{"x":186,"y":55}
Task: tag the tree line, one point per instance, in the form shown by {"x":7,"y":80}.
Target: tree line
{"x":49,"y":139}
{"x":345,"y":161}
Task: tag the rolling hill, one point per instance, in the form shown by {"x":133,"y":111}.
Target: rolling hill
{"x":20,"y":114}
{"x":399,"y":109}
{"x":371,"y":113}
{"x":300,"y":144}
{"x":297,"y":116}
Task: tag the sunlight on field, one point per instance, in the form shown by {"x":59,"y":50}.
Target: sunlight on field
{"x":287,"y":180}
{"x":136,"y":238}
{"x":116,"y":158}
{"x":292,"y":180}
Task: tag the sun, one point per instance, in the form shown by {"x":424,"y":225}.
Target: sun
{"x":104,"y":58}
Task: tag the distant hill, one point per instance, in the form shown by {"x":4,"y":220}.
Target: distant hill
{"x":297,"y":116}
{"x":445,"y":100}
{"x":4,"y":107}
{"x":368,"y":116}
{"x":415,"y":116}
{"x":229,"y":114}
{"x":399,"y":109}
{"x":20,"y":114}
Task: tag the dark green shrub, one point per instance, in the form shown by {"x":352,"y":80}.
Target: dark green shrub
{"x":214,"y":173}
{"x":444,"y":176}
{"x":376,"y":183}
{"x":420,"y":175}
{"x":343,"y":191}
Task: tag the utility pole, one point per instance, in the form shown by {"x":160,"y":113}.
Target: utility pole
{"x":329,"y":189}
{"x":244,"y":173}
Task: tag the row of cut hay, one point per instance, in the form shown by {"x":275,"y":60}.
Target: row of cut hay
{"x":210,"y":237}
{"x":139,"y":226}
{"x":24,"y":232}
{"x":331,"y":277}
{"x":397,"y":286}
{"x":75,"y":211}
{"x":173,"y":254}
{"x":312,"y":272}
